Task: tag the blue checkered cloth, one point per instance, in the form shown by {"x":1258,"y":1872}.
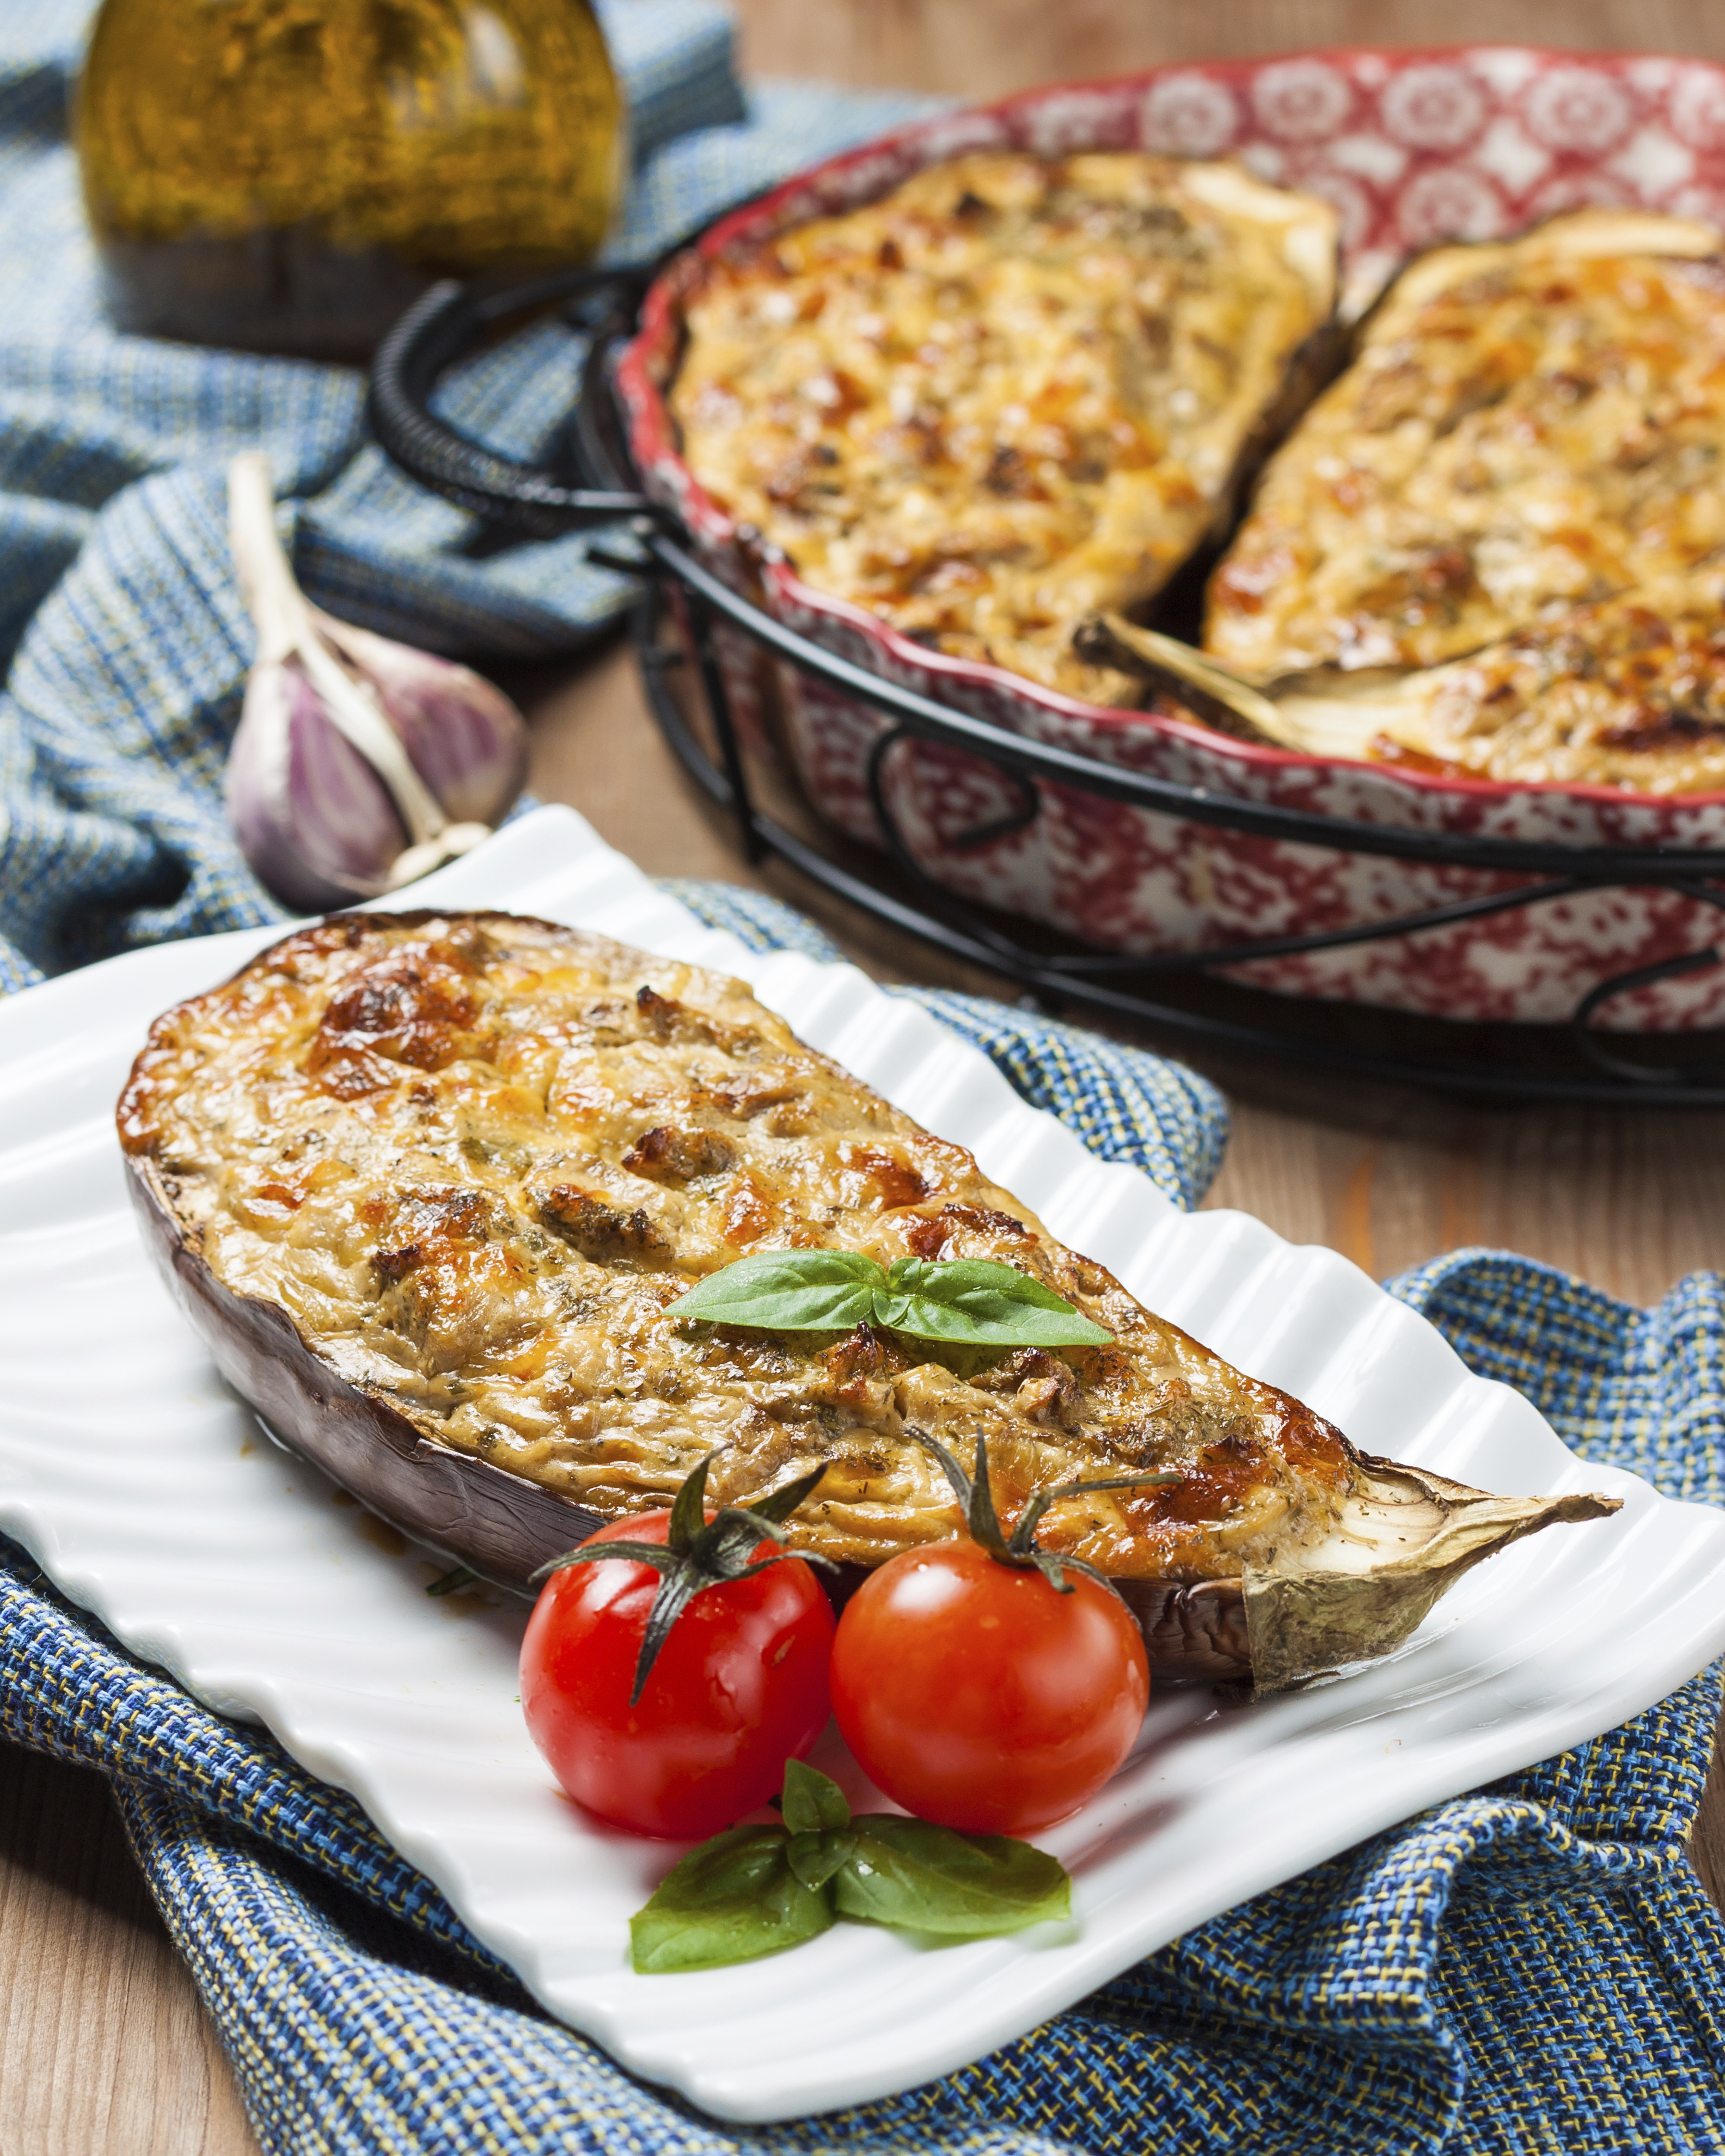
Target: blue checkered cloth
{"x":123,"y":640}
{"x":1532,"y":1967}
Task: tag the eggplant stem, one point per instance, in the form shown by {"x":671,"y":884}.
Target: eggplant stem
{"x":1166,"y":656}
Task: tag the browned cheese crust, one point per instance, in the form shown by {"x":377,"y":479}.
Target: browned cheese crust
{"x":1630,"y":692}
{"x":1525,"y":429}
{"x":1495,"y":545}
{"x":1014,"y":391}
{"x":474,"y":1158}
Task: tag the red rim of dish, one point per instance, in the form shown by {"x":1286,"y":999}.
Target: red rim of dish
{"x":653,"y":440}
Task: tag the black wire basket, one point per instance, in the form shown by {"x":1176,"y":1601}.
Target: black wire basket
{"x":588,"y":482}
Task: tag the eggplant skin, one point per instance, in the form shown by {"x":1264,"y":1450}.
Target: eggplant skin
{"x":500,"y":1524}
{"x":1265,"y":1633}
{"x":426,"y":1185}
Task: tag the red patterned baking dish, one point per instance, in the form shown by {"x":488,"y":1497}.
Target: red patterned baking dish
{"x":1412,"y":148}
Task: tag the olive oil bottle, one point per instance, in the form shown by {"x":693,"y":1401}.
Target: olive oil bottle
{"x":288,"y":175}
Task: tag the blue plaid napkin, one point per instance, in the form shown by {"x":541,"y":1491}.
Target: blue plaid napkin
{"x":123,"y":641}
{"x":1532,"y":1967}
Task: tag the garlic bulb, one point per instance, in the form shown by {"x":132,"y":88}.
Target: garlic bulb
{"x":359,"y":763}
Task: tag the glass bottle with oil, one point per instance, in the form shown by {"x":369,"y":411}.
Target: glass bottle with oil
{"x":289,"y":175}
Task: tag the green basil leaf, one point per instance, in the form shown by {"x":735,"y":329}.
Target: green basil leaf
{"x":735,"y":1898}
{"x":813,"y":1801}
{"x":973,"y":1302}
{"x":977,"y":1302}
{"x":931,"y":1879}
{"x":815,"y":1857}
{"x":787,"y":1292}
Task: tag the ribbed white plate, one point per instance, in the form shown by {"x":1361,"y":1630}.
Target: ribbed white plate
{"x":142,"y":1487}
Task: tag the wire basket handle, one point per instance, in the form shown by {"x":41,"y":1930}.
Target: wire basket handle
{"x":537,"y":501}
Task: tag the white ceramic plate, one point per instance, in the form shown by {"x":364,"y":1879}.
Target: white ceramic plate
{"x":143,"y":1488}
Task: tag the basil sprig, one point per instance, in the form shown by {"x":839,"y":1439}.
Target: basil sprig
{"x":972,"y":1301}
{"x":757,"y":1890}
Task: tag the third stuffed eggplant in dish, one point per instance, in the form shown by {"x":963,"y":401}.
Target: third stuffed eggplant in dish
{"x":1525,"y":427}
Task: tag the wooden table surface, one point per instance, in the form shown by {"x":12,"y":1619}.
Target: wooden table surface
{"x":104,"y":2045}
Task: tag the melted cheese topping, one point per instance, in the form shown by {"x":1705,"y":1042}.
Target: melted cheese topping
{"x":1014,"y":392}
{"x":1526,"y":429}
{"x":474,"y":1158}
{"x":1629,"y":693}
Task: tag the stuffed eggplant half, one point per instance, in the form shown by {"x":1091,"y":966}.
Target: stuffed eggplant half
{"x":428,"y":1185}
{"x":1496,"y":545}
{"x":1014,"y":390}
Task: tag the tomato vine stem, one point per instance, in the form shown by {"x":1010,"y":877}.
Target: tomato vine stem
{"x":698,"y":1553}
{"x":976,"y":1500}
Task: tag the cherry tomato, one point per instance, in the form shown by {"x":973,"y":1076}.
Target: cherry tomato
{"x":977,"y":1696}
{"x":739,"y":1687}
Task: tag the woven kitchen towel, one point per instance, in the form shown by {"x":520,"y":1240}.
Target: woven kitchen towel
{"x":1531,"y":1967}
{"x":121,"y":635}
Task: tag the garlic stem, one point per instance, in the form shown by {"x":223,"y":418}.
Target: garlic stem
{"x":287,"y":629}
{"x":452,"y":841}
{"x":277,"y":606}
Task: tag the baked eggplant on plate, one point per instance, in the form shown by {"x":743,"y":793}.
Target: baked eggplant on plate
{"x":428,"y":1184}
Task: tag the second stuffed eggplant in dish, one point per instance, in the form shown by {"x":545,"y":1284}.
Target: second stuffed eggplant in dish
{"x":1496,"y":545}
{"x":1014,"y":390}
{"x":1525,"y":427}
{"x":430,"y":1186}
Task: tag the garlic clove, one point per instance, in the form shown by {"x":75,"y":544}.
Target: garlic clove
{"x":465,"y":738}
{"x":312,"y":817}
{"x":360,"y":763}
